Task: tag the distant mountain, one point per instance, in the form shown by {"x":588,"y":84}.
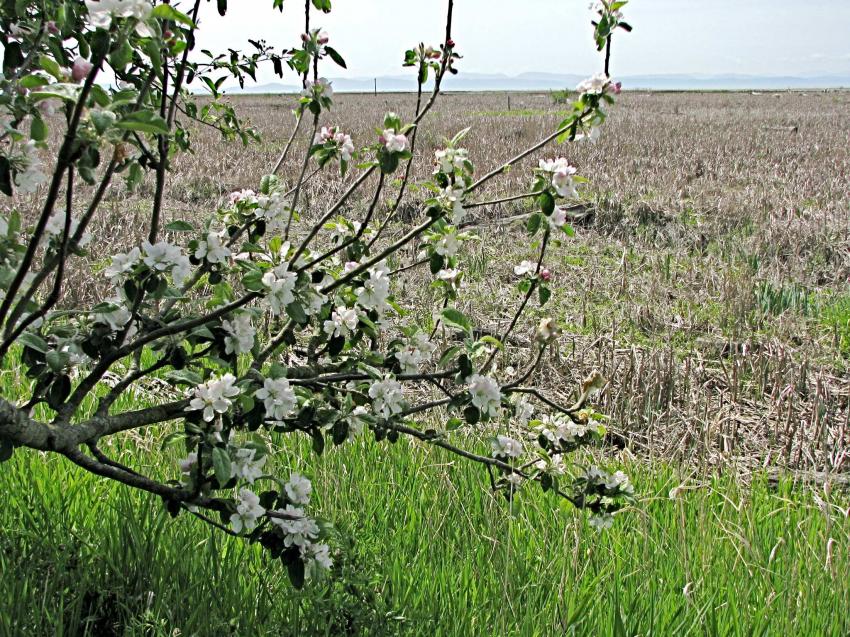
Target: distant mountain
{"x":538,"y":81}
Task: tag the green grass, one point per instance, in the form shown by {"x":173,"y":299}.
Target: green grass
{"x":434,"y":553}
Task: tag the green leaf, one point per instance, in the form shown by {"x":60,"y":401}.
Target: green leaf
{"x":167,"y":12}
{"x":180,"y":226}
{"x":295,"y":569}
{"x":33,"y":81}
{"x":57,"y":360}
{"x":38,"y":129}
{"x":221,"y":465}
{"x":144,"y":122}
{"x":336,"y":57}
{"x":184,"y":376}
{"x":436,"y":262}
{"x":122,"y":56}
{"x":491,"y":340}
{"x":533,"y":223}
{"x":448,"y":356}
{"x":6,"y":449}
{"x":296,"y":313}
{"x":546,"y":202}
{"x":62,"y":91}
{"x":318,"y":441}
{"x":454,"y":318}
{"x":5,"y":176}
{"x":544,"y":294}
{"x":454,"y":424}
{"x":33,"y":341}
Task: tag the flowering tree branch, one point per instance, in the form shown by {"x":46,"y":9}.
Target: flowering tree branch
{"x":264,"y":319}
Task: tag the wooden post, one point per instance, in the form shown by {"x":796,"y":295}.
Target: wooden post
{"x":376,"y":87}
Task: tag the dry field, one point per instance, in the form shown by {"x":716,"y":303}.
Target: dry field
{"x":708,"y":279}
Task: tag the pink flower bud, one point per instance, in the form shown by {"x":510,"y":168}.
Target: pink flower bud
{"x":546,"y":274}
{"x":616,"y":87}
{"x":52,"y":28}
{"x":322,"y":37}
{"x":305,"y":37}
{"x":450,"y":43}
{"x":80,"y":70}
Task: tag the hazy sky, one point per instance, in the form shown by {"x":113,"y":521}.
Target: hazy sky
{"x":760,"y":37}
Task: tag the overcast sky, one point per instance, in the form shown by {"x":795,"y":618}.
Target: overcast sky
{"x":758,"y":37}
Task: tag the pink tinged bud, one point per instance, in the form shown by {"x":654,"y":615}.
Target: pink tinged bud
{"x":305,"y":37}
{"x":450,"y":43}
{"x":80,"y":70}
{"x":323,"y":37}
{"x":52,"y":28}
{"x":546,"y":274}
{"x":616,"y":87}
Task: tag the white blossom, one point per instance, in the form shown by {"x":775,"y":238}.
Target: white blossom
{"x":619,"y":481}
{"x":375,"y":291}
{"x":334,"y":135}
{"x":55,"y":227}
{"x":525,"y":267}
{"x":298,"y":489}
{"x":417,"y":350}
{"x":486,"y":395}
{"x":448,"y":244}
{"x":449,"y":275}
{"x":393,"y":142}
{"x":29,"y":176}
{"x":313,"y":300}
{"x":449,"y":160}
{"x":504,"y":447}
{"x":594,"y":85}
{"x":280,"y":283}
{"x":247,"y":196}
{"x":214,"y":396}
{"x":341,"y":323}
{"x":188,"y":463}
{"x":212,"y":249}
{"x":562,"y":176}
{"x":122,"y":263}
{"x":278,"y":398}
{"x":387,"y":397}
{"x":300,"y":530}
{"x":452,"y":199}
{"x":101,"y":13}
{"x":246,"y":466}
{"x":248,"y":511}
{"x":601,"y":521}
{"x":240,"y":334}
{"x":523,"y":410}
{"x":321,"y":88}
{"x":546,"y":329}
{"x":558,"y":218}
{"x":162,"y":256}
{"x":116,"y":318}
{"x":318,"y":555}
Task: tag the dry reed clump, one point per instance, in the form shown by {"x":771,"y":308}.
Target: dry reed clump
{"x":708,"y":280}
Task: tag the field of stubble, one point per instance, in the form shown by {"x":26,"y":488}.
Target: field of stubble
{"x":709,"y":279}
